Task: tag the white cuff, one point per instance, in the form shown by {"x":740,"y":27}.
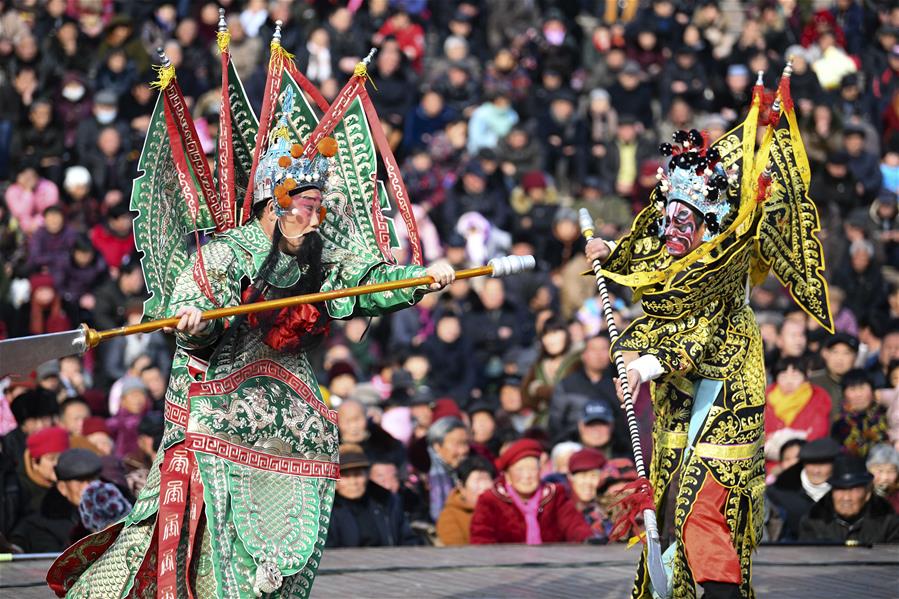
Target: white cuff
{"x":648,"y":367}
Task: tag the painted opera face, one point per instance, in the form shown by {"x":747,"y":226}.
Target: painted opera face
{"x":684,"y":229}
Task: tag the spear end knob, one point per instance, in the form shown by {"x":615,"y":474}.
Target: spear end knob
{"x":511,"y":265}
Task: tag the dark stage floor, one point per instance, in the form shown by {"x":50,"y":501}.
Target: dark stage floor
{"x":553,"y":571}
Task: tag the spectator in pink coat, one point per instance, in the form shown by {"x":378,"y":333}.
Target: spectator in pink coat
{"x":29,"y":196}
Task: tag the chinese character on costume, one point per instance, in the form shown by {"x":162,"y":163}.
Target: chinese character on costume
{"x":720,"y":218}
{"x":238,"y":501}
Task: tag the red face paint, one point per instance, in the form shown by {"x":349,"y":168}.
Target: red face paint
{"x":684,"y":230}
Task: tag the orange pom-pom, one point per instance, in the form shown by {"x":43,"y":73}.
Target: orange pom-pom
{"x":284,"y":161}
{"x":296,"y":150}
{"x":289,"y":184}
{"x":327,"y":147}
{"x":284,"y":201}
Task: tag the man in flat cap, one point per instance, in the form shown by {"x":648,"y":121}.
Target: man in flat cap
{"x":798,"y":488}
{"x":851,"y":512}
{"x":57,"y":524}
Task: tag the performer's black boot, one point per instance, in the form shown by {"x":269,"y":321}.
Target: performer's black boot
{"x":720,"y":590}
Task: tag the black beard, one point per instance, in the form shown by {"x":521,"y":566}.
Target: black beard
{"x":309,"y":260}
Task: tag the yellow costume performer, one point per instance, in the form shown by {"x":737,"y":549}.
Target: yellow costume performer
{"x":720,"y":218}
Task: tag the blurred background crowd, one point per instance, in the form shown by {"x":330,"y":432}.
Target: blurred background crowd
{"x":489,"y":407}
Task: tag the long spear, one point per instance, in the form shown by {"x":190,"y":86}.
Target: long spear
{"x":653,"y":544}
{"x":22,"y":355}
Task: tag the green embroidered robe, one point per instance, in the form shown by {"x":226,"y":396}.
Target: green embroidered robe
{"x":265,"y":443}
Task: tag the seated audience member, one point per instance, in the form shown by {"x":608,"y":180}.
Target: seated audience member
{"x":862,"y":423}
{"x":559,"y":457}
{"x":585,"y":475}
{"x":883,"y":464}
{"x":365,"y":514}
{"x":851,"y":511}
{"x":448,"y":445}
{"x":513,"y":413}
{"x":596,"y":426}
{"x":33,"y":410}
{"x":839,"y":353}
{"x":123,"y":425}
{"x":72,"y":413}
{"x":57,"y":524}
{"x":454,"y":523}
{"x":98,"y":435}
{"x":793,"y":402}
{"x":38,"y":475}
{"x":782,"y":449}
{"x":137,"y":464}
{"x":521,"y":509}
{"x":799,"y":487}
{"x":593,"y":379}
{"x":102,"y":504}
{"x":355,"y":427}
{"x":483,"y":429}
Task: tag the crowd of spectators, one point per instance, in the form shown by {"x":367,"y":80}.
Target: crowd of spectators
{"x":486,"y":413}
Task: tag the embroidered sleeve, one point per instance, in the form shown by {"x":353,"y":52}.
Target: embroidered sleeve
{"x":224,"y":274}
{"x":374,"y":304}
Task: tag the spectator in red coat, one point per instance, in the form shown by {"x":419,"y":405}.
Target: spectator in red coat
{"x":794,"y":403}
{"x":521,"y":509}
{"x":409,"y":35}
{"x":114,"y":239}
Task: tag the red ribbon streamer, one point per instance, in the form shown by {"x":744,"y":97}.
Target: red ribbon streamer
{"x":272,"y":89}
{"x":225,"y":216}
{"x":185,"y":180}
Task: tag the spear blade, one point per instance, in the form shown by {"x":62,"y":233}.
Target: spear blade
{"x":24,"y":354}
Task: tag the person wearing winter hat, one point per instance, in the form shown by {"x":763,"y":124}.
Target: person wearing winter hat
{"x":97,"y":433}
{"x":101,"y":505}
{"x":56,"y":524}
{"x":799,"y":487}
{"x":37,"y":473}
{"x":585,"y":475}
{"x":342,"y":379}
{"x":521,"y":509}
{"x":850,"y":512}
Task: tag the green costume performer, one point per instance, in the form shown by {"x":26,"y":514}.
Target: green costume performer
{"x":720,"y":218}
{"x":238,"y":500}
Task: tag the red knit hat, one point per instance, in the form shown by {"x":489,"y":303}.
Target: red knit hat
{"x":523,"y":448}
{"x":533,"y":180}
{"x":49,"y":440}
{"x":586,"y":459}
{"x":94,"y":424}
{"x":443,"y":408}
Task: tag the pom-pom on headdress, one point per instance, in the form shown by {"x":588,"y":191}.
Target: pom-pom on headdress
{"x":695,"y":177}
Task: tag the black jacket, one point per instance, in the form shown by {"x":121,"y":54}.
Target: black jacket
{"x":374,"y":520}
{"x":878,"y":523}
{"x":54,"y":528}
{"x":567,"y":405}
{"x":791,"y":501}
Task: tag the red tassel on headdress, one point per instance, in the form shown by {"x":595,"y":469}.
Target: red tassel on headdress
{"x":637,"y":496}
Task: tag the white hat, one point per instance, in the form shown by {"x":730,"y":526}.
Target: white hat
{"x":76,"y":175}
